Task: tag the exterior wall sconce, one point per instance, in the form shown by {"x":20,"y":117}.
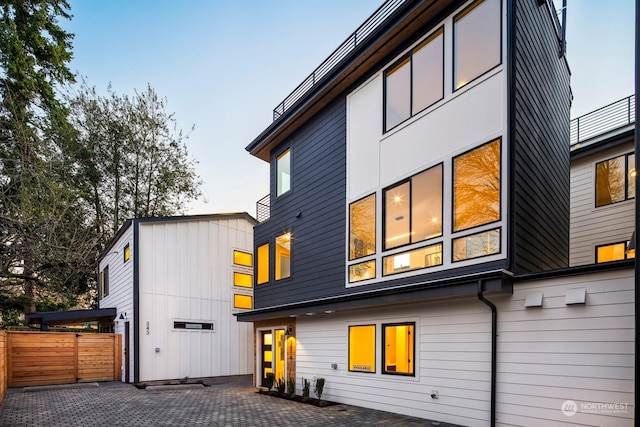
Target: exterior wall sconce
{"x":289,"y":331}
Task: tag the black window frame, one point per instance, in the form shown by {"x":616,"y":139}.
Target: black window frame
{"x":409,"y":55}
{"x":627,"y":196}
{"x":125,"y":251}
{"x":256,"y":273}
{"x":625,"y":243}
{"x":384,"y":208}
{"x":375,"y":344}
{"x":375,"y":225}
{"x":104,"y":282}
{"x":383,"y":369}
{"x":456,"y":17}
{"x":488,"y":230}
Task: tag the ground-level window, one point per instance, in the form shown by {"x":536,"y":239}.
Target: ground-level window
{"x":362,"y":348}
{"x":398,"y":348}
{"x":476,"y":186}
{"x":242,"y":301}
{"x":243,"y":280}
{"x":615,"y":180}
{"x":613,"y":252}
{"x":283,"y":256}
{"x":242,"y":258}
{"x":263,"y":264}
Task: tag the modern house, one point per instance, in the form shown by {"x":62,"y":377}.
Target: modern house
{"x":414,"y":250}
{"x":176,"y":283}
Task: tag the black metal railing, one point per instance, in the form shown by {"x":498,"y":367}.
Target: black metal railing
{"x":357,"y":37}
{"x":263,"y":208}
{"x":605,"y":119}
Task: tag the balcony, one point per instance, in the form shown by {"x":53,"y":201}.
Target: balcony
{"x":611,"y":117}
{"x":263,"y":208}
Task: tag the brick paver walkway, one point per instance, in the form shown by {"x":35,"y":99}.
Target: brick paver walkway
{"x":228,"y":405}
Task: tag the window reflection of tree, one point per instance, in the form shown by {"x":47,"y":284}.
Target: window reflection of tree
{"x":362,"y":227}
{"x":476,"y":186}
{"x":610,"y":176}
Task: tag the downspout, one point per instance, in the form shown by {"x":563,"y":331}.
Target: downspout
{"x":494,"y":353}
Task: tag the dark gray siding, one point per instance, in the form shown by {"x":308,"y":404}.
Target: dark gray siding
{"x":318,"y":166}
{"x":539,"y":150}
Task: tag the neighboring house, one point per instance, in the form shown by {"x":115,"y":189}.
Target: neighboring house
{"x":414,"y":250}
{"x":176,"y":283}
{"x":603,"y":169}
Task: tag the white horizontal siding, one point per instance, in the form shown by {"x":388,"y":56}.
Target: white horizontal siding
{"x":559,"y":352}
{"x":591,"y":226}
{"x":121,"y":291}
{"x":546,"y":355}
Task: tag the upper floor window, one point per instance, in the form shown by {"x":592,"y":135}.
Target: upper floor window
{"x":613,"y":252}
{"x":416,"y":82}
{"x":243,"y":280}
{"x":262,"y":260}
{"x":615,"y":179}
{"x":413,"y":209}
{"x":104,"y":282}
{"x":362,"y":227}
{"x":283,"y":173}
{"x":242,"y":258}
{"x":126,"y":254}
{"x":476,"y":41}
{"x":283,"y":256}
{"x":398,"y":349}
{"x":476,"y":186}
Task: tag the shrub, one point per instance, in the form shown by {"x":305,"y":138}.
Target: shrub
{"x":291,"y":386}
{"x":268,"y":380}
{"x":318,"y":388}
{"x":306,"y":385}
{"x":280,"y":385}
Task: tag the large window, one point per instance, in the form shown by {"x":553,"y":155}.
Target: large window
{"x":416,"y":82}
{"x":104,"y":282}
{"x":613,"y":252}
{"x":362,"y":227}
{"x":476,"y":41}
{"x":283,"y":173}
{"x":615,"y":180}
{"x":283,"y":256}
{"x":398,"y":349}
{"x":263,"y":264}
{"x":413,"y":209}
{"x":476,"y":187}
{"x":362,"y":348}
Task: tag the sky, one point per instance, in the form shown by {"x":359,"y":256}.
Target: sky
{"x":223,"y":66}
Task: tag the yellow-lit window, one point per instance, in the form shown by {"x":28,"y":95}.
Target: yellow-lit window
{"x":362,"y":227}
{"x":283,"y":256}
{"x":613,"y":252}
{"x":242,"y":301}
{"x":398,"y":348}
{"x":615,"y":180}
{"x":362,"y":348}
{"x":263,"y":264}
{"x":476,"y":245}
{"x":416,"y":259}
{"x":476,"y":186}
{"x":242,"y":279}
{"x":362,"y":271}
{"x":127,"y":253}
{"x":242,"y":258}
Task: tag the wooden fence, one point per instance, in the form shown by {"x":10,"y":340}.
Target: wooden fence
{"x":3,"y":363}
{"x":44,"y":358}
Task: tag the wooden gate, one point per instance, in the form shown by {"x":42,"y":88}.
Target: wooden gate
{"x":43,"y":358}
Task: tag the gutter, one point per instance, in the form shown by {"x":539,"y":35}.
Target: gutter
{"x":494,"y":352}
